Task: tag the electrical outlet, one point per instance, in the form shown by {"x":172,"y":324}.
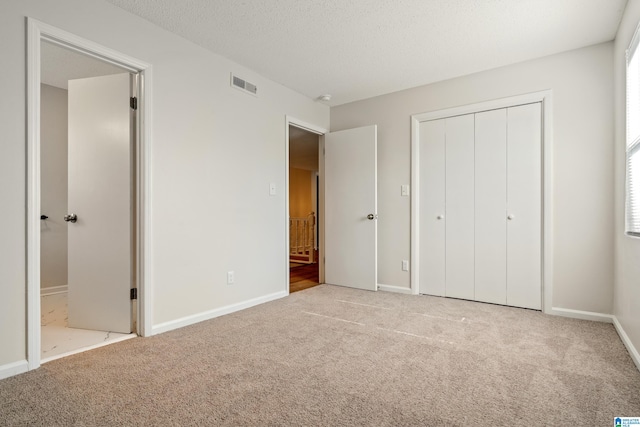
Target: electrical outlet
{"x":405,"y":265}
{"x":272,"y":189}
{"x":404,"y":190}
{"x":230,"y":277}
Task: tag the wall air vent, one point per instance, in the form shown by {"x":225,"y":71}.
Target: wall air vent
{"x":243,"y":85}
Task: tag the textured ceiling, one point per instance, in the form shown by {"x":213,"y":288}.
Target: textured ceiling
{"x":356,"y":49}
{"x":59,"y":65}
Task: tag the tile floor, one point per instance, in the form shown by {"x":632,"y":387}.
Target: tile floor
{"x":58,"y":340}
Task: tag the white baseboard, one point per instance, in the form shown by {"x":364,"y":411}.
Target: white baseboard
{"x":52,"y":290}
{"x":600,"y":317}
{"x":579,"y":314}
{"x":200,"y":317}
{"x":633,"y":352}
{"x":393,"y":288}
{"x":14,"y":368}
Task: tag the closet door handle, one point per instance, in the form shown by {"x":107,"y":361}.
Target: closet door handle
{"x":440,"y":217}
{"x":510,"y":217}
{"x":71,"y":217}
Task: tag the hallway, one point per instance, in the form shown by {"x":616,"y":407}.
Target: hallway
{"x":303,"y":276}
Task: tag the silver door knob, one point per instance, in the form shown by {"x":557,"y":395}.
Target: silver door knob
{"x":440,"y":217}
{"x":372,"y":216}
{"x":510,"y":217}
{"x":71,"y":217}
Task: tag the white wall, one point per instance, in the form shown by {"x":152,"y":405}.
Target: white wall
{"x":53,"y":146}
{"x":203,"y":204}
{"x":627,"y":249}
{"x":581,"y":81}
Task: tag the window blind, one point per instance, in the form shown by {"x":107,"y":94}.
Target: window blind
{"x":632,"y":193}
{"x":633,"y":190}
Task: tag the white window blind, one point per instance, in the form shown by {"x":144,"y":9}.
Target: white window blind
{"x":632,"y":193}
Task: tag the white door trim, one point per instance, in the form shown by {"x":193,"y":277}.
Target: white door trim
{"x":292,"y":121}
{"x":36,"y":33}
{"x":545,"y":97}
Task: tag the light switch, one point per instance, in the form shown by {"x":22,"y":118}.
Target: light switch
{"x":404,"y":190}
{"x":272,"y":189}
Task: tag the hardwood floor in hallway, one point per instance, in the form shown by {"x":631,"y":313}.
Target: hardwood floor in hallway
{"x":303,"y":276}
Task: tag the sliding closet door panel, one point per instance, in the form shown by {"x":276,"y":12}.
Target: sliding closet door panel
{"x":524,"y":194}
{"x":491,"y":206}
{"x":459,"y":214}
{"x":432,"y":207}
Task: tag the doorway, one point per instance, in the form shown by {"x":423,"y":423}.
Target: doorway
{"x":133,"y":170}
{"x":304,"y":200}
{"x":77,"y":95}
{"x":346,"y":205}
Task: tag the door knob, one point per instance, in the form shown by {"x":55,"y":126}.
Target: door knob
{"x":372,"y":216}
{"x":440,"y":217}
{"x":510,"y":217}
{"x":71,"y":217}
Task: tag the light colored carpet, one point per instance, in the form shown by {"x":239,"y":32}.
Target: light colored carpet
{"x":333,"y":356}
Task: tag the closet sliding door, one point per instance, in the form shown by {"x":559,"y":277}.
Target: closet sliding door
{"x":491,"y":206}
{"x":459,"y":207}
{"x":446,"y":192}
{"x":524,"y":206}
{"x":432,"y":199}
{"x":480,"y":206}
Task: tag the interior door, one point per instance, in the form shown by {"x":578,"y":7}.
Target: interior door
{"x":100,"y":182}
{"x":351,"y":208}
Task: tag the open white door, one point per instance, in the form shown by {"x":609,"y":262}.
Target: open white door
{"x":351,"y":208}
{"x":100,"y":182}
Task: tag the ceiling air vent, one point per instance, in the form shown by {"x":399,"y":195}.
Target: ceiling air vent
{"x":243,"y":85}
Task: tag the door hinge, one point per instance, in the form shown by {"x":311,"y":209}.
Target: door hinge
{"x":133,"y":103}
{"x":134,"y":293}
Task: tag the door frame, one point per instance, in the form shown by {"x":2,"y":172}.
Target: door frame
{"x":320,"y":131}
{"x":38,"y":32}
{"x":545,"y":98}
